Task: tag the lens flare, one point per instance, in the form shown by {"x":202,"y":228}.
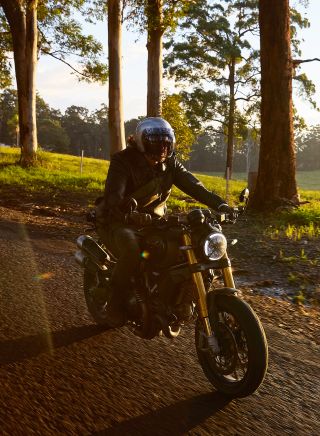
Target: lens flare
{"x":35,"y":280}
{"x":43,"y":276}
{"x":145,"y":254}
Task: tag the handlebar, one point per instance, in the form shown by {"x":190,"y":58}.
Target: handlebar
{"x":224,"y":218}
{"x":145,"y":220}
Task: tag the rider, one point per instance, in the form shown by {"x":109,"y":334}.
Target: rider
{"x":145,"y":171}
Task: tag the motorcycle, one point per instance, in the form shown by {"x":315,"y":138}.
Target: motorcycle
{"x":183,"y":259}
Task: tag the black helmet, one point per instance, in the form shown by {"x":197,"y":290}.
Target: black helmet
{"x":152,"y":134}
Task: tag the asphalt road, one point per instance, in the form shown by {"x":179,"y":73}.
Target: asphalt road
{"x":60,"y":374}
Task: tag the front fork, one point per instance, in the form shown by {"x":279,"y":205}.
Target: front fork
{"x":201,"y":289}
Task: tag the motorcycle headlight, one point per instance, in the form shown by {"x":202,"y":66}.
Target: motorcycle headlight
{"x":214,"y":246}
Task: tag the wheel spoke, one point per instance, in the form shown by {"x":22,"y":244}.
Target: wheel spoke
{"x":239,"y":335}
{"x":232,"y":362}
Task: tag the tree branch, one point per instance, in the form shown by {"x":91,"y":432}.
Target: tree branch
{"x":250,"y":29}
{"x":220,"y":121}
{"x":244,"y":82}
{"x":247,"y":98}
{"x":66,"y":63}
{"x":296,"y":62}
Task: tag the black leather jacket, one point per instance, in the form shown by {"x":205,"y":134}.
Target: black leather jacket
{"x":130,"y":175}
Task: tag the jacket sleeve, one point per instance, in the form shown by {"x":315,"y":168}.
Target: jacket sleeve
{"x":192,"y":186}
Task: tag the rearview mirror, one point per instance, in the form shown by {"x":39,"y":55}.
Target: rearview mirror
{"x":244,"y":195}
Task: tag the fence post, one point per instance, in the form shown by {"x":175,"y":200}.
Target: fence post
{"x":81,"y":162}
{"x":227,"y":184}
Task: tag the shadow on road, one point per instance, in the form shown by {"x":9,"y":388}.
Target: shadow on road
{"x":176,"y":419}
{"x":15,"y":350}
{"x":20,"y":231}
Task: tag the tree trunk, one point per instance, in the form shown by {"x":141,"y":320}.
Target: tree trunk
{"x":23,"y":27}
{"x":232,"y":107}
{"x":252,"y":162}
{"x":155,"y":61}
{"x":276,"y":183}
{"x":116,"y":119}
{"x":31,"y":64}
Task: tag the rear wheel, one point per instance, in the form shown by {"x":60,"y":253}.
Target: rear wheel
{"x":97,"y":296}
{"x":239,"y":367}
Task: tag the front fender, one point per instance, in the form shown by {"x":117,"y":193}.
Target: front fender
{"x":222,"y":291}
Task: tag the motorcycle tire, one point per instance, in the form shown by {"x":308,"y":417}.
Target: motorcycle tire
{"x":243,"y":347}
{"x":96,"y":306}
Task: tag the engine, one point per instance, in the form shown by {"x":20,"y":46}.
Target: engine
{"x":162,"y":247}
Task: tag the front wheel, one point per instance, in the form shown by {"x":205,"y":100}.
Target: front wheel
{"x":239,"y":367}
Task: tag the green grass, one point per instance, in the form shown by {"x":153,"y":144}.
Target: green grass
{"x":56,"y":172}
{"x":62,"y":172}
{"x":306,"y":180}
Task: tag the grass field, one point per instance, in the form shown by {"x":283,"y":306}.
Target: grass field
{"x":306,"y":180}
{"x":63,"y":172}
{"x":57,"y":172}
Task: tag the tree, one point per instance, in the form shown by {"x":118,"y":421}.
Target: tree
{"x":116,"y":119}
{"x":157,"y":17}
{"x":52,"y":136}
{"x":87,"y":132}
{"x":5,"y":66}
{"x":45,"y":27}
{"x":154,"y":45}
{"x":218,"y":64}
{"x":50,"y":133}
{"x":74,"y":121}
{"x":100,"y":135}
{"x":22,"y":19}
{"x":5,"y":77}
{"x":208,"y":154}
{"x":174,"y":113}
{"x":276,"y":183}
{"x":308,"y":149}
{"x":131,"y":125}
{"x":8,"y":113}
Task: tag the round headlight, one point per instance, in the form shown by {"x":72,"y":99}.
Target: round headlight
{"x":215,"y":246}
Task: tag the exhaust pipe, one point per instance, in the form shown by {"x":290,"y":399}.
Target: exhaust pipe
{"x":80,"y":258}
{"x":90,"y":247}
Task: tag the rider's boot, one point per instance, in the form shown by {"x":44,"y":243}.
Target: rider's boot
{"x":116,"y":308}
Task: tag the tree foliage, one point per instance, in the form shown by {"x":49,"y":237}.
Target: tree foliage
{"x":62,"y":37}
{"x":155,"y":17}
{"x":308,"y":149}
{"x":5,"y":44}
{"x":201,"y":54}
{"x":44,"y":26}
{"x":76,"y":130}
{"x":138,"y":14}
{"x":174,"y":113}
{"x":8,"y":112}
{"x":214,"y":60}
{"x":214,"y":57}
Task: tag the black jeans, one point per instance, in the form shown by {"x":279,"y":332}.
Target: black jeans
{"x":124,"y":242}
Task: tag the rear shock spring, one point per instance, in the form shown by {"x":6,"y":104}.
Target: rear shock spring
{"x":138,"y":296}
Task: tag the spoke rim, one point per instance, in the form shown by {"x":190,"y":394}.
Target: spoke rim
{"x":232,"y":361}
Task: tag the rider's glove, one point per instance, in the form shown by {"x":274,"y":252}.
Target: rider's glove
{"x":231,"y":212}
{"x":139,"y":219}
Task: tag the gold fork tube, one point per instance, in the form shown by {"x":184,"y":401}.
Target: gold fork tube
{"x":201,"y":290}
{"x":227,"y":275}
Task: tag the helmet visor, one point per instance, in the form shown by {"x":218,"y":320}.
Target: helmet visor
{"x":157,"y":142}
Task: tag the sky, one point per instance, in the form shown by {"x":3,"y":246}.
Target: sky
{"x":61,"y":89}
